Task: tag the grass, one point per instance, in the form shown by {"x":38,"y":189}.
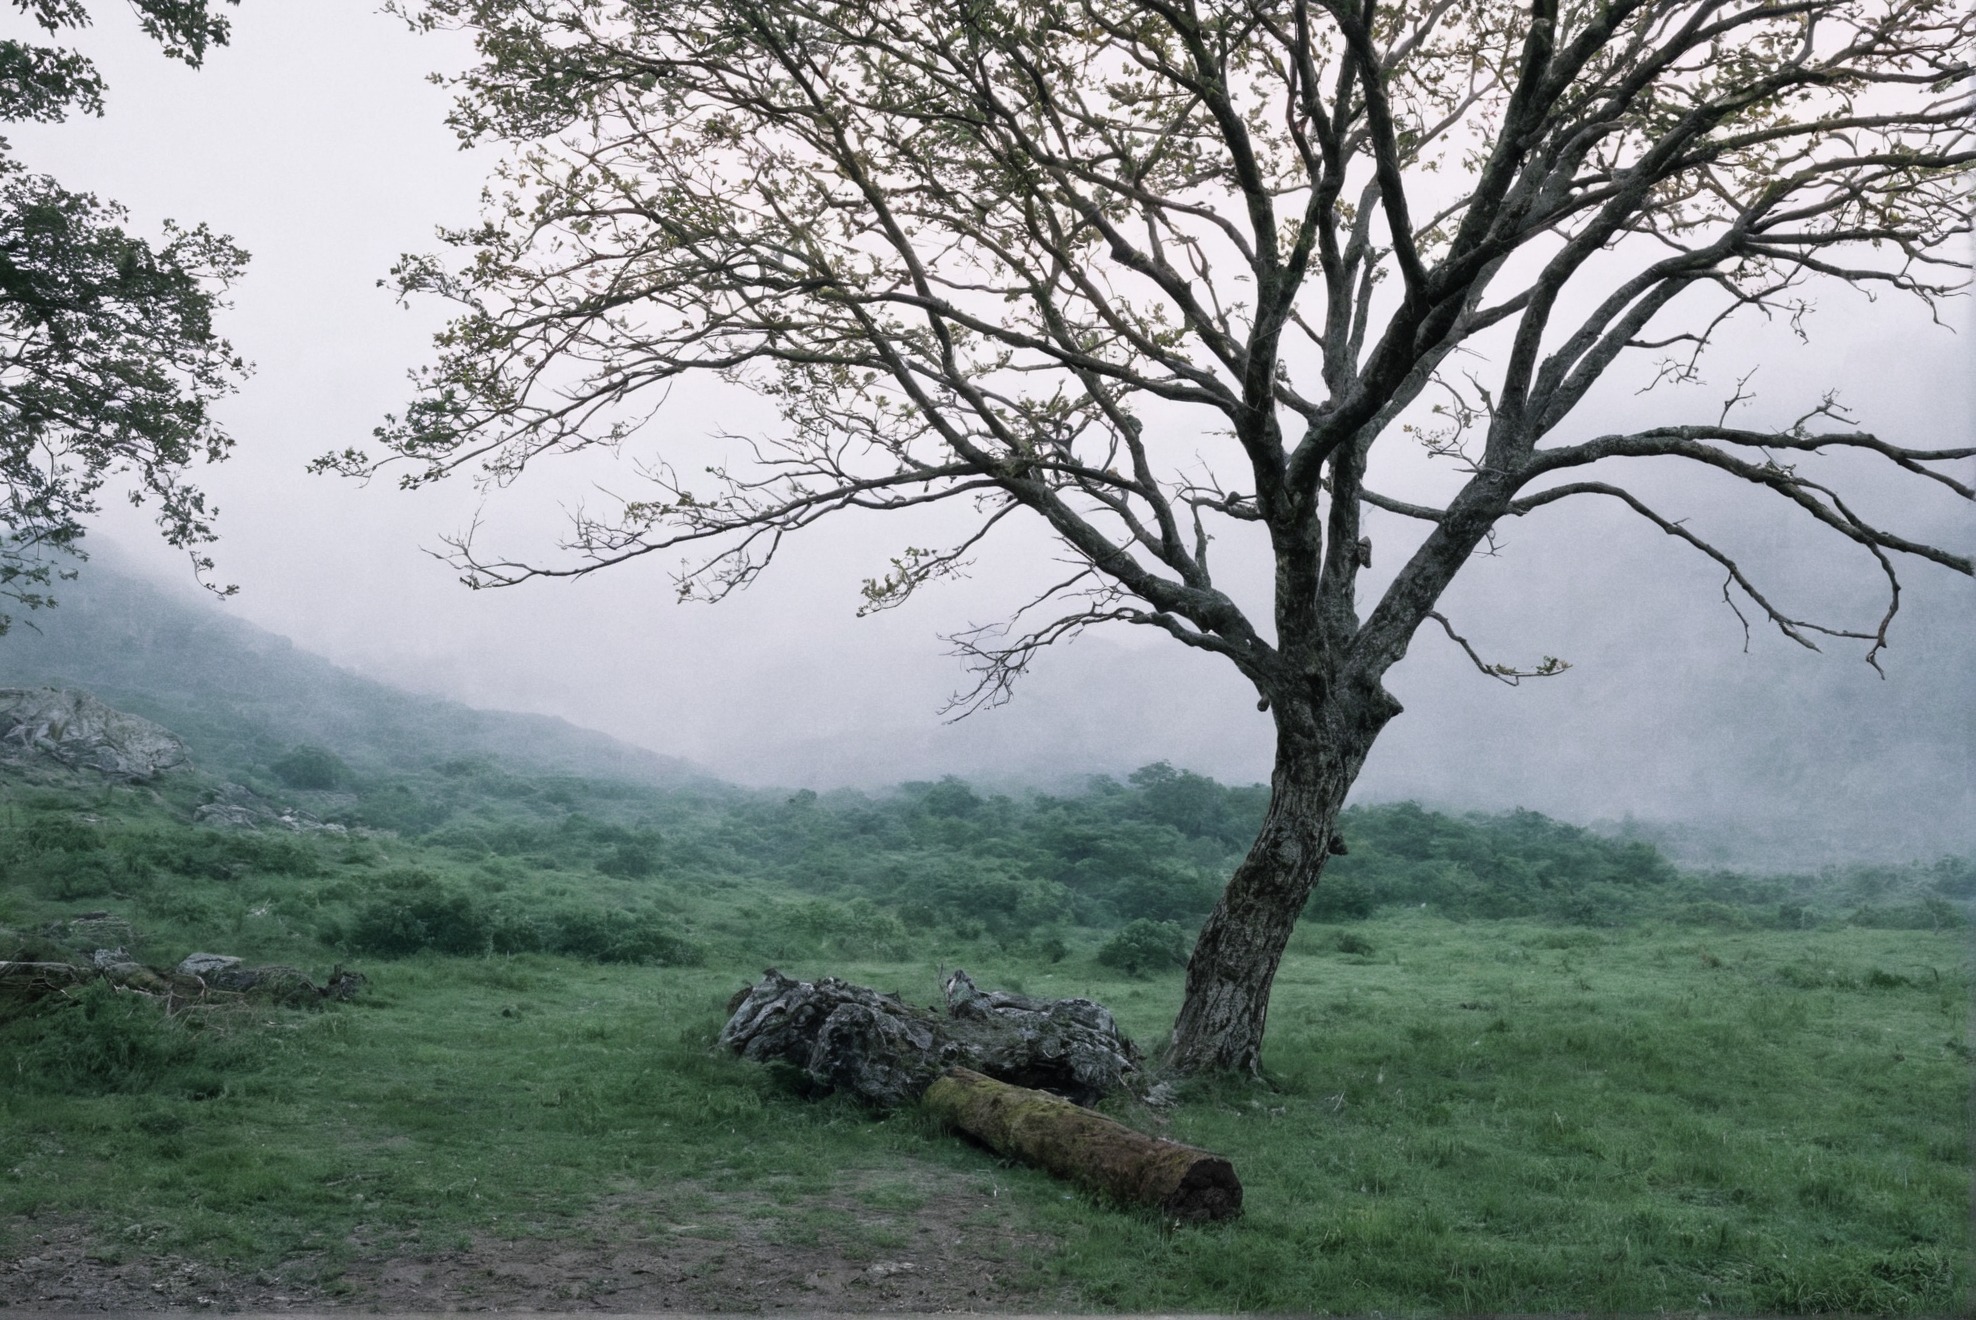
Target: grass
{"x":1699,"y":1106}
{"x":1483,"y":1116}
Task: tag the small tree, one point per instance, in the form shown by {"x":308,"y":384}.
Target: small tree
{"x":108,"y":359}
{"x":1147,"y":272}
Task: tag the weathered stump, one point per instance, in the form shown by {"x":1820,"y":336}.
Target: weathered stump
{"x":886,"y":1051}
{"x":1180,"y":1182}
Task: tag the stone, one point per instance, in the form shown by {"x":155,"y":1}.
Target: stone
{"x":72,"y":728}
{"x":227,"y":816}
{"x":237,"y":807}
{"x":207,"y":964}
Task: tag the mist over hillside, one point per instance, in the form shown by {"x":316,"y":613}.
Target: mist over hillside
{"x":241,"y":696}
{"x":1776,"y":760}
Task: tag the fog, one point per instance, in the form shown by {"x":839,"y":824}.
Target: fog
{"x":314,"y":141}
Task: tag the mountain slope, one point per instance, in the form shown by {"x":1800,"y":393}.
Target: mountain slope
{"x":241,"y":696}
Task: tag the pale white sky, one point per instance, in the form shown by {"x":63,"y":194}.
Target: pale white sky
{"x":315,"y":141}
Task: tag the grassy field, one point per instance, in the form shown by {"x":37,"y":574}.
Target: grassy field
{"x":1701,"y":1094}
{"x":1471,"y":1117}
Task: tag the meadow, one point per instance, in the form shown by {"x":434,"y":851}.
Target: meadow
{"x":1511,"y":1066}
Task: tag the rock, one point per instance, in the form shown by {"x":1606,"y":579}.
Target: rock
{"x":74,"y":729}
{"x":237,"y":807}
{"x":226,"y":816}
{"x":105,"y":959}
{"x":887,"y":1052}
{"x":207,"y":964}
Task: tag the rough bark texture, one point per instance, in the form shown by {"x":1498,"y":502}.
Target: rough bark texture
{"x":1089,"y":1149}
{"x":1320,"y":749}
{"x":887,"y":1052}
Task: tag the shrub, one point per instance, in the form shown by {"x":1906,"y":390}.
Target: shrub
{"x":1341,"y":898}
{"x":635,"y":859}
{"x":421,"y":914}
{"x":418,"y":918}
{"x":616,"y":936}
{"x":99,"y":1039}
{"x":311,"y":768}
{"x":1145,"y":946}
{"x":1352,"y":943}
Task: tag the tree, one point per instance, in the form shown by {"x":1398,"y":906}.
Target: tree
{"x":108,"y":359}
{"x":1149,"y":272}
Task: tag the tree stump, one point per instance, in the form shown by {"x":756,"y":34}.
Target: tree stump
{"x":1180,"y":1182}
{"x":887,"y":1052}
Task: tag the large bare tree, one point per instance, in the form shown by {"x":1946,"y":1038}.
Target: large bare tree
{"x":1145,"y":272}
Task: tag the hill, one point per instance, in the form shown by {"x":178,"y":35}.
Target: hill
{"x":243,"y":697}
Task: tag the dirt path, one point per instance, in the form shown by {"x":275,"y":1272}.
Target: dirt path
{"x":896,"y":1242}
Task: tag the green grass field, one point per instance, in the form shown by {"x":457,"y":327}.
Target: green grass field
{"x":1478,"y":1117}
{"x":1717,"y":1108}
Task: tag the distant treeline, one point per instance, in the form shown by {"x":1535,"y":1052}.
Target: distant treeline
{"x":1157,"y":846}
{"x":468,"y":857}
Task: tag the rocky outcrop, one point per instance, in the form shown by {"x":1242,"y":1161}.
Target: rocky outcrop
{"x":71,"y":728}
{"x":237,"y":807}
{"x":887,"y":1052}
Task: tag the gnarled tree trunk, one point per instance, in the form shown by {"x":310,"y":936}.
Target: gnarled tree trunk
{"x":1320,"y":747}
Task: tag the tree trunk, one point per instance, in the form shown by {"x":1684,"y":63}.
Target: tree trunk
{"x":1087,"y":1148}
{"x":1319,"y":750}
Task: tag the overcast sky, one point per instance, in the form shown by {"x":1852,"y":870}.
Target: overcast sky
{"x":316,"y":142}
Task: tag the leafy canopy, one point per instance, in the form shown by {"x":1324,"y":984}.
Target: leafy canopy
{"x":109,"y":362}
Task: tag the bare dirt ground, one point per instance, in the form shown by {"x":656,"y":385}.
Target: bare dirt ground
{"x":911,"y":1243}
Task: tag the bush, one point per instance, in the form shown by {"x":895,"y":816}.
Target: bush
{"x":421,"y":914}
{"x":1342,"y":898}
{"x":1145,"y":946}
{"x":1352,"y":943}
{"x":633,"y":860}
{"x":311,"y":768}
{"x":616,"y":936}
{"x":99,"y":1040}
{"x":436,"y":919}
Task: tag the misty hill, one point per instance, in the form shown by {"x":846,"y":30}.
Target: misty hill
{"x":242,"y":697}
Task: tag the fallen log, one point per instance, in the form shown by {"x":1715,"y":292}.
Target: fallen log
{"x":1098,"y":1153}
{"x":886,"y":1051}
{"x":32,"y":980}
{"x":27,"y":982}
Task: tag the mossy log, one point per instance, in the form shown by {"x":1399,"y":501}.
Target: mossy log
{"x":1180,"y":1182}
{"x":32,"y":980}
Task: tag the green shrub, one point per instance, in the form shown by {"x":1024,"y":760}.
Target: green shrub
{"x":1343,"y":898}
{"x":634,"y":859}
{"x":1352,"y":943}
{"x":1145,"y":946}
{"x":99,"y":1039}
{"x":616,"y":936}
{"x":311,"y":768}
{"x":422,"y":914}
{"x":433,"y":918}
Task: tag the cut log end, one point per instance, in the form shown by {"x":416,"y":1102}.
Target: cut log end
{"x":1209,"y":1190}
